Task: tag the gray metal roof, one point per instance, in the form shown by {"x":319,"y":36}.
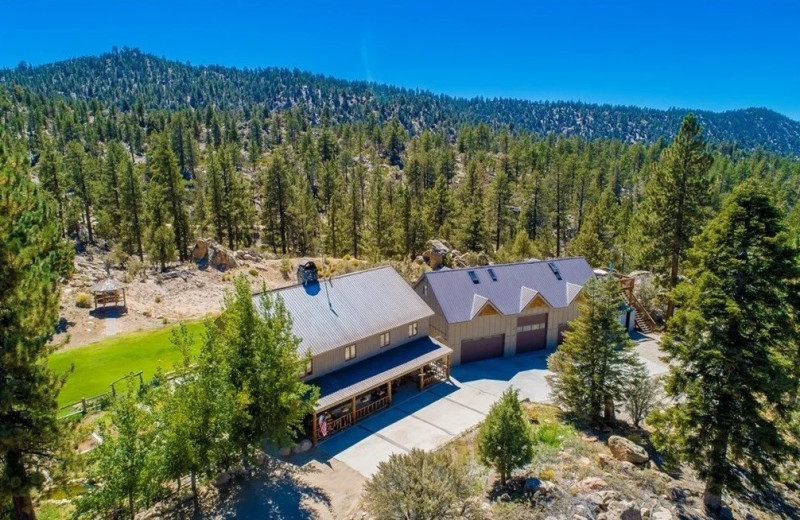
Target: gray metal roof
{"x":517,"y":284}
{"x":362,"y":376}
{"x":348,"y":308}
{"x":107,"y":285}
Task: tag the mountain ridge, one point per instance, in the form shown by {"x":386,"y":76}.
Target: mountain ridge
{"x":130,"y":76}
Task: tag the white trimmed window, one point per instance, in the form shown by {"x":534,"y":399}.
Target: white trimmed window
{"x":349,"y":352}
{"x":527,"y":328}
{"x":385,"y":339}
{"x":412,"y":329}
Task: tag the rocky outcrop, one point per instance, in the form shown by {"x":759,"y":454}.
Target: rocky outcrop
{"x":217,"y":256}
{"x":626,"y":450}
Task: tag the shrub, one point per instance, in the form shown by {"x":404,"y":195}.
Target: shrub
{"x":118,"y":256}
{"x":547,"y":474}
{"x":422,"y":484}
{"x":285,"y":267}
{"x":551,"y":434}
{"x":158,"y":298}
{"x":135,"y":268}
{"x":642,"y":396}
{"x":83,"y":300}
{"x":253,"y":271}
{"x":505,"y":441}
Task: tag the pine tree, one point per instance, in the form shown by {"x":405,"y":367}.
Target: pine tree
{"x":51,"y":177}
{"x":505,"y":440}
{"x":677,"y":198}
{"x":380,"y":221}
{"x":168,"y":195}
{"x":355,"y":210}
{"x":501,"y":199}
{"x":439,"y":207}
{"x":33,"y":258}
{"x":79,"y":169}
{"x":596,"y":362}
{"x":131,"y":197}
{"x":278,"y":199}
{"x":109,"y":199}
{"x":732,"y":345}
{"x":473,"y":216}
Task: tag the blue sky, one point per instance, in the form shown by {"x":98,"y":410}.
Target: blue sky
{"x":696,"y":54}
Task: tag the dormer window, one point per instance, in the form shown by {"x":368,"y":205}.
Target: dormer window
{"x":349,"y":352}
{"x":385,"y":339}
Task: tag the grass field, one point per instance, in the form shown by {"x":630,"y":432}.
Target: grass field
{"x":97,"y":365}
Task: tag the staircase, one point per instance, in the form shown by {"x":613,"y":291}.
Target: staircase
{"x":644,"y":322}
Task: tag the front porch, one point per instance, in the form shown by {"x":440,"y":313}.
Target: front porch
{"x":364,"y":388}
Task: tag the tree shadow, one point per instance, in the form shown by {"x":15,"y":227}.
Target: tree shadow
{"x":63,"y":325}
{"x":275,"y":491}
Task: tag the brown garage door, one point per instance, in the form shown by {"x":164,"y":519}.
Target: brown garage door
{"x":531,"y":333}
{"x":483,"y":348}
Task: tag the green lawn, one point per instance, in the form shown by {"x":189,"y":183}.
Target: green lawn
{"x":97,"y":365}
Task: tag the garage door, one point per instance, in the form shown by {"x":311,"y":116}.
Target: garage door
{"x":483,"y":348}
{"x":531,"y":333}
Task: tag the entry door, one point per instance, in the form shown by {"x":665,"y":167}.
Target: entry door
{"x":531,"y":333}
{"x":482,"y":348}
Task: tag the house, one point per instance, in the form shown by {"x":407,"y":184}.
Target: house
{"x":366,"y":335}
{"x":502,"y":310}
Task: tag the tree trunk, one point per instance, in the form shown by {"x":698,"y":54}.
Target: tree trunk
{"x":609,"y":414}
{"x":712,"y":497}
{"x":130,"y":505}
{"x":196,"y":498}
{"x":23,"y":507}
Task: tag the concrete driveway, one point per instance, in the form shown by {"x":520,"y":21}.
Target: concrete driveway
{"x":430,"y":419}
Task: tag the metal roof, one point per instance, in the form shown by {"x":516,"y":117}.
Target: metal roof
{"x":362,"y":376}
{"x":107,"y":285}
{"x":516,"y":285}
{"x":348,"y":308}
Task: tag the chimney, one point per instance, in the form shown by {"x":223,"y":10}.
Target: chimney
{"x":307,"y":273}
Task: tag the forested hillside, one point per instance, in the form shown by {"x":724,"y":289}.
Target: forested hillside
{"x":130,"y":76}
{"x":133,"y":170}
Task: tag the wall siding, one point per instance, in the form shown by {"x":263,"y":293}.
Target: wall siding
{"x":438,"y":325}
{"x":366,"y":348}
{"x":484,"y":326}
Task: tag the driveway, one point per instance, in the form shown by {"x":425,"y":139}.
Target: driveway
{"x":430,"y":419}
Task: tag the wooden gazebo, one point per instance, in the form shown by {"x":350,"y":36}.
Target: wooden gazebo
{"x":109,"y":292}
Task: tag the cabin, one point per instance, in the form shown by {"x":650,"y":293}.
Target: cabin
{"x":366,"y":338}
{"x":501,"y":310}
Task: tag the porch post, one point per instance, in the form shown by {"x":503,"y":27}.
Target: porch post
{"x":353,"y":410}
{"x":447,"y":362}
{"x":421,"y":376}
{"x":389,"y":389}
{"x":314,"y":429}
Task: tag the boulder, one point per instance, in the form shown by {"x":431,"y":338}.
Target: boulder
{"x":303,"y":446}
{"x":222,"y":259}
{"x":285,"y":451}
{"x":200,"y":250}
{"x":604,"y":460}
{"x":629,"y":451}
{"x":590,"y":484}
{"x":223,"y":479}
{"x":623,"y":510}
{"x":660,"y":513}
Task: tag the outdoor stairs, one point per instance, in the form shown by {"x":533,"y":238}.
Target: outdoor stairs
{"x":644,"y":322}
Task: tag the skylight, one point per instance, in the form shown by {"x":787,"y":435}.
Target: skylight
{"x":554,"y":268}
{"x":473,"y":277}
{"x":492,"y":275}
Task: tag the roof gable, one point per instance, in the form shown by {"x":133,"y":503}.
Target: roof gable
{"x":513,"y":289}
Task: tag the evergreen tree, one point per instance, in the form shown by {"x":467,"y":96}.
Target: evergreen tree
{"x":278,"y":199}
{"x":676,"y":203}
{"x":501,"y":199}
{"x":79,"y":169}
{"x":168,"y":196}
{"x":270,"y":400}
{"x":51,"y":177}
{"x":596,"y":362}
{"x":732,"y":345}
{"x":33,"y":258}
{"x":505,"y":441}
{"x":131,"y":197}
{"x":380,"y":214}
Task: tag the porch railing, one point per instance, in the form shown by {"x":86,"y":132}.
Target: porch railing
{"x":339,"y":424}
{"x":372,"y":407}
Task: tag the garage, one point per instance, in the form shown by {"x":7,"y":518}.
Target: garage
{"x":531,"y":333}
{"x":482,"y":348}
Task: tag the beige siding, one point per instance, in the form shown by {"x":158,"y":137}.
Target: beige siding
{"x":365,"y":348}
{"x":439,"y":327}
{"x":484,"y":326}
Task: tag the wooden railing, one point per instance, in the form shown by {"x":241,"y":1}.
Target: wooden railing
{"x":430,"y":379}
{"x":372,"y":407}
{"x":339,"y":424}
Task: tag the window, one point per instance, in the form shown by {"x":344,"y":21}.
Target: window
{"x":309,"y":368}
{"x":473,"y":276}
{"x":425,"y":289}
{"x":528,"y":328}
{"x":554,"y":268}
{"x":492,"y":275}
{"x":385,"y":339}
{"x":412,"y":329}
{"x":349,"y":352}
